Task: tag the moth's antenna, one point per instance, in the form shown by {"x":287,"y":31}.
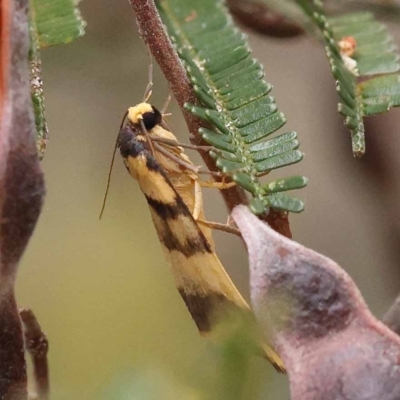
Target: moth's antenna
{"x":149,"y":87}
{"x":111,"y":167}
{"x":123,"y":120}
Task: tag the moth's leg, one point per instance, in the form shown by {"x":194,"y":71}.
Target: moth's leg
{"x":217,"y":185}
{"x":220,"y":173}
{"x":179,"y":161}
{"x":220,"y":227}
{"x":163,"y":123}
{"x":149,"y":87}
{"x":175,"y":143}
{"x":215,"y":225}
{"x":198,"y":200}
{"x":165,"y":106}
{"x":212,"y":173}
{"x":230,"y":221}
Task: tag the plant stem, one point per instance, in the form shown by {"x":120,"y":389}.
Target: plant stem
{"x":154,"y":35}
{"x":37,"y":346}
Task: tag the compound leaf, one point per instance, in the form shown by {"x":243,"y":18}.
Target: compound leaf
{"x":374,"y":54}
{"x":236,"y":100}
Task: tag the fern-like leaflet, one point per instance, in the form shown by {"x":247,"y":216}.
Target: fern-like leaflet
{"x":236,"y":100}
{"x":375,"y":54}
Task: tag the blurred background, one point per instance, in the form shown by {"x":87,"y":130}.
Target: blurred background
{"x":102,"y":290}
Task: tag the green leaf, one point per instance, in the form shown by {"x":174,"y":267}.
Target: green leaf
{"x":374,"y":54}
{"x":294,"y":182}
{"x":52,"y":22}
{"x":56,"y":21}
{"x":282,"y":201}
{"x":235,"y":98}
{"x":375,"y":51}
{"x":380,"y":94}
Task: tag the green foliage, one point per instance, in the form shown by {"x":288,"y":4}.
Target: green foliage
{"x":374,"y":54}
{"x":235,"y":100}
{"x":56,"y":21}
{"x":381,"y":94}
{"x":52,"y":22}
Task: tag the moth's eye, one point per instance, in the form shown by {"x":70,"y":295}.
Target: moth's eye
{"x":149,"y":120}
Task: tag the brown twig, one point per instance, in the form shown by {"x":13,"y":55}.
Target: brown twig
{"x":13,"y":380}
{"x":278,"y":221}
{"x":153,"y":33}
{"x":258,"y":17}
{"x":37,"y":345}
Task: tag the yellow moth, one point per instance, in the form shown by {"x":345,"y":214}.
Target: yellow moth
{"x":171,"y":186}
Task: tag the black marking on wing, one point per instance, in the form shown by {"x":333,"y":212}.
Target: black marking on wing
{"x":205,"y":309}
{"x":153,"y":165}
{"x":193,"y":244}
{"x":130,"y":146}
{"x":168,"y":211}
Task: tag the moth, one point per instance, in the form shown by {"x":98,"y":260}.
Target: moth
{"x":171,"y":185}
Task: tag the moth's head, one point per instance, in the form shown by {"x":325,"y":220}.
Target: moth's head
{"x":144,"y":112}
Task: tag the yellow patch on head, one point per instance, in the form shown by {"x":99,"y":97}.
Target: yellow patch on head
{"x":135,"y":114}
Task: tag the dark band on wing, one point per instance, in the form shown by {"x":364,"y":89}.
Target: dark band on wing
{"x":169,"y":211}
{"x":127,"y":144}
{"x":193,"y":244}
{"x":205,"y":309}
{"x":130,"y":146}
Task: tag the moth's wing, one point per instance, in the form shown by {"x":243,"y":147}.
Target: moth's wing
{"x":202,"y":281}
{"x":182,"y":180}
{"x":196,"y":268}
